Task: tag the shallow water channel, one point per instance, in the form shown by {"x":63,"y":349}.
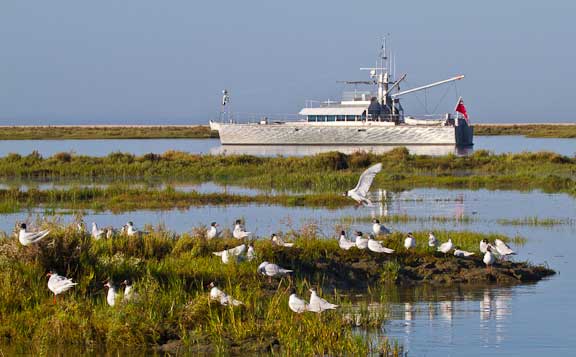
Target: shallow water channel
{"x":523,"y":320}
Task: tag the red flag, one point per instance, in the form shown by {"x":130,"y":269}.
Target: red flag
{"x":460,"y":108}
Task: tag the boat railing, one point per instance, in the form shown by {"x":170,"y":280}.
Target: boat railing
{"x":248,"y":117}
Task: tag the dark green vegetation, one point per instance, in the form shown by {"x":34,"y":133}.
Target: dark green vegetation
{"x":105,"y":132}
{"x":171,"y":276}
{"x":531,"y":131}
{"x":122,"y":198}
{"x":329,"y":172}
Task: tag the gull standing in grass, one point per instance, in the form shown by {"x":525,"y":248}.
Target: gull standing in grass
{"x":344,"y":243}
{"x":239,"y":231}
{"x":297,"y":304}
{"x":251,"y":253}
{"x":409,"y":241}
{"x":462,"y":253}
{"x":360,"y":192}
{"x":503,"y":249}
{"x":361,"y":242}
{"x":317,"y":304}
{"x":224,"y":299}
{"x":59,"y":284}
{"x":432,"y":241}
{"x":375,"y":246}
{"x":446,"y":247}
{"x":97,"y":233}
{"x":272,"y":270}
{"x":129,"y":293}
{"x":378,"y":228}
{"x":489,"y":258}
{"x":279,"y":241}
{"x":213,"y":231}
{"x":112,"y":292}
{"x":231,"y":254}
{"x":27,"y":238}
{"x":130,"y":230}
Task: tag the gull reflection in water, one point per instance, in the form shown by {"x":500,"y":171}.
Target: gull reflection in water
{"x":495,"y":307}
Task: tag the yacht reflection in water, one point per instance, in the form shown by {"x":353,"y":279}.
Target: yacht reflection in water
{"x":304,"y":150}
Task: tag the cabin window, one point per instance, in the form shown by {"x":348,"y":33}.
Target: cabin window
{"x":341,"y":118}
{"x":311,"y":117}
{"x":330,"y":118}
{"x":349,"y":117}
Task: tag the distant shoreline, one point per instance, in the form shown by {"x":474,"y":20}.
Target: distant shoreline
{"x":176,"y":131}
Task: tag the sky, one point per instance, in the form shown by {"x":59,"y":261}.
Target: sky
{"x":166,"y":62}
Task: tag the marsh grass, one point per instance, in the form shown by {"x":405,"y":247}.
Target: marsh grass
{"x":536,"y":221}
{"x":531,"y":131}
{"x":327,"y":172}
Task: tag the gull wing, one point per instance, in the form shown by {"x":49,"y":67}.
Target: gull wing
{"x":366,"y":179}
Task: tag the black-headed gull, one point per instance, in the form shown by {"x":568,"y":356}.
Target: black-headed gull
{"x":344,"y":242}
{"x":130,"y":230}
{"x":503,"y":249}
{"x":446,"y":247}
{"x":409,"y":241}
{"x":96,"y":232}
{"x":239,"y":231}
{"x":112,"y":292}
{"x":272,"y":270}
{"x":213,"y":231}
{"x":297,"y":304}
{"x":462,"y":253}
{"x":377,"y":247}
{"x":432,"y":241}
{"x":484,"y":244}
{"x":224,"y":299}
{"x":228,"y":255}
{"x":59,"y":284}
{"x":27,"y":238}
{"x":360,"y":192}
{"x":129,"y":293}
{"x":317,"y":304}
{"x":361,"y":242}
{"x":489,"y":258}
{"x":378,"y":228}
{"x":279,"y":241}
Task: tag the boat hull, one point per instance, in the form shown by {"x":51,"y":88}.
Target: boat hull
{"x":294,"y":134}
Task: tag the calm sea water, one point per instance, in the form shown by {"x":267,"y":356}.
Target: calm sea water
{"x":497,"y":144}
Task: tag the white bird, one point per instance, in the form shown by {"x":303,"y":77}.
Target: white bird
{"x":279,"y":241}
{"x":97,"y":233}
{"x":232,"y":253}
{"x":220,"y":296}
{"x":239,"y":231}
{"x":317,"y":304}
{"x":446,"y":247}
{"x":297,"y":304}
{"x":378,"y":228}
{"x":27,"y":238}
{"x":130,"y":230}
{"x":489,"y":258}
{"x":109,"y":232}
{"x":375,"y":246}
{"x":271,"y":269}
{"x":344,"y":243}
{"x":462,"y":253}
{"x":361,"y":242}
{"x":502,"y":248}
{"x":360,"y":192}
{"x":432,"y":241}
{"x":129,"y":293}
{"x":484,"y":244}
{"x":251,"y":253}
{"x":410,"y":241}
{"x":111,"y":295}
{"x":213,"y":231}
{"x":59,"y":284}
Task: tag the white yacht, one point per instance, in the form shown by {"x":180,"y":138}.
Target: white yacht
{"x":373,"y":117}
